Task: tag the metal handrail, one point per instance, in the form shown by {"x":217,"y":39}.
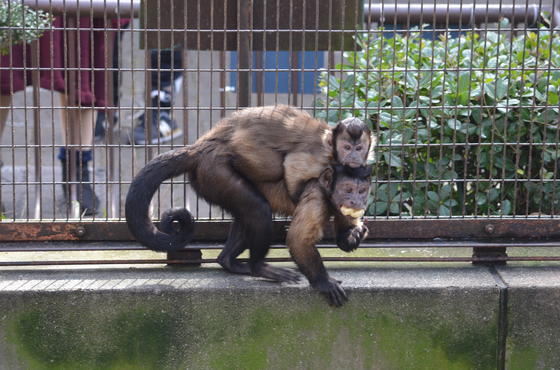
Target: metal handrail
{"x":111,"y":8}
{"x":400,"y":13}
{"x":455,"y":14}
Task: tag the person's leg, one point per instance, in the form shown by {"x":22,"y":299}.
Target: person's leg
{"x":101,"y":121}
{"x":165,"y":84}
{"x":81,"y":135}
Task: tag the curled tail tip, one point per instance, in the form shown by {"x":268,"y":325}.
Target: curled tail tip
{"x":178,"y":222}
{"x":175,"y":230}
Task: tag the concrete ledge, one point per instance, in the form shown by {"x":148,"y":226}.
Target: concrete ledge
{"x":410,"y":317}
{"x":533,"y":317}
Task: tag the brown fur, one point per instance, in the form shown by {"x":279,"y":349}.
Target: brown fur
{"x":243,"y":165}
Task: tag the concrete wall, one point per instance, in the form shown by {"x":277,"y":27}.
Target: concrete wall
{"x":397,"y":318}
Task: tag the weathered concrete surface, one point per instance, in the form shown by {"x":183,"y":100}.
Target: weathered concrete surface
{"x":533,"y":340}
{"x":444,"y":318}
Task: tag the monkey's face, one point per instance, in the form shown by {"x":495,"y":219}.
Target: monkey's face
{"x":350,"y":196}
{"x":352,"y":143}
{"x":348,"y":188}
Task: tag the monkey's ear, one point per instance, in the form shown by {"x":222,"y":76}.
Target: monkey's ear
{"x":337,"y":129}
{"x":326,"y":178}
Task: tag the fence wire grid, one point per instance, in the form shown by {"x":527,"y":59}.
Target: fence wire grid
{"x":463,"y":98}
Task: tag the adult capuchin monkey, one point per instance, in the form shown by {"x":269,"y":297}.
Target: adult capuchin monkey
{"x":253,"y":163}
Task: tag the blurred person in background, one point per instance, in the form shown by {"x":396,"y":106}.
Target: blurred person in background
{"x":16,"y":73}
{"x":166,"y":79}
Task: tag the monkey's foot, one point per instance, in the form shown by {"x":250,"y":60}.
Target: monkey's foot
{"x":278,"y":274}
{"x":234,"y":266}
{"x":332,"y":290}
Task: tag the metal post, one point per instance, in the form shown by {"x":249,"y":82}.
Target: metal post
{"x":191,"y":257}
{"x":36,"y":127}
{"x":244,"y":53}
{"x":112,"y":190}
{"x":295,"y":80}
{"x":492,"y":256}
{"x":260,"y":78}
{"x":72,"y":35}
{"x":556,"y":17}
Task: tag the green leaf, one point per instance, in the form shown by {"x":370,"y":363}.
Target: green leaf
{"x":444,"y":211}
{"x":454,"y":124}
{"x":397,"y":102}
{"x":334,"y":83}
{"x":481,"y":199}
{"x":392,"y":160}
{"x":552,"y":98}
{"x":349,"y":82}
{"x":506,"y":207}
{"x":450,"y":203}
{"x":493,"y":194}
{"x":433,"y":196}
{"x":463,"y":87}
{"x":378,"y":208}
{"x":411,"y":81}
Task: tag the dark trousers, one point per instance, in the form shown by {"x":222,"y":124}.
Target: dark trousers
{"x":164,"y":60}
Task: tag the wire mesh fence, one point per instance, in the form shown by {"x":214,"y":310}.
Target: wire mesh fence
{"x":463,"y":98}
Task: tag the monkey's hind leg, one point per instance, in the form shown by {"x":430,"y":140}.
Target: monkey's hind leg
{"x":252,"y":226}
{"x":232,"y":249}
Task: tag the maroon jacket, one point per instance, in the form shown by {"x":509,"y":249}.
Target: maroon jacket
{"x":15,"y":68}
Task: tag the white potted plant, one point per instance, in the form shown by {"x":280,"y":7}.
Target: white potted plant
{"x":19,"y":23}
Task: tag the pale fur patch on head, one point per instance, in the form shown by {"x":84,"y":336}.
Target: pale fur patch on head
{"x":327,"y":139}
{"x":371,"y":153}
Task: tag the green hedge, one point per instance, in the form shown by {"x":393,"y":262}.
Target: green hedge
{"x":472,"y":99}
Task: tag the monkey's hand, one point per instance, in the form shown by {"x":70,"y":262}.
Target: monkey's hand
{"x":331,"y":288}
{"x":350,"y":239}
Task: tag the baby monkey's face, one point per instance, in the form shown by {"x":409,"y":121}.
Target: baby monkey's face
{"x":352,"y":143}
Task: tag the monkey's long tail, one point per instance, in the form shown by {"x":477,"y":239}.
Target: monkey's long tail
{"x":140,"y":193}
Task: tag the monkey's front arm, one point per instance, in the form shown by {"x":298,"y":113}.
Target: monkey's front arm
{"x":305,"y":231}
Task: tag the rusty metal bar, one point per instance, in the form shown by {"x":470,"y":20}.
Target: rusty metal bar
{"x":88,"y":246}
{"x":417,"y":229}
{"x":247,"y":26}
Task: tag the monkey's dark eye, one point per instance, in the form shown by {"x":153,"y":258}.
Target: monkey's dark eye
{"x":358,"y":148}
{"x":349,"y":190}
{"x":347,"y":147}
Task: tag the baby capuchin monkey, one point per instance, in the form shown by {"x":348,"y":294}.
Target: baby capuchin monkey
{"x":342,"y":192}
